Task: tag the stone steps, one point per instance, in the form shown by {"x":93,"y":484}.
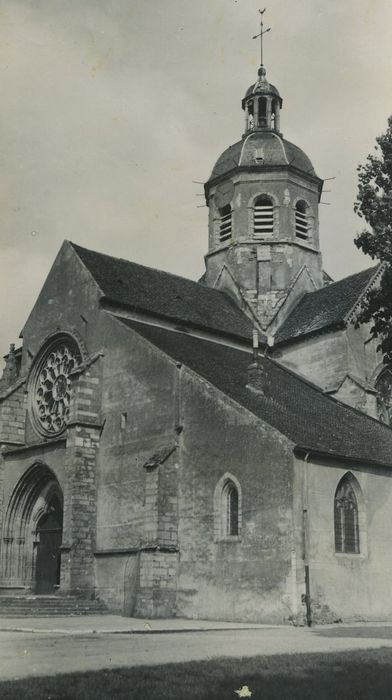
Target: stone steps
{"x":48,"y":606}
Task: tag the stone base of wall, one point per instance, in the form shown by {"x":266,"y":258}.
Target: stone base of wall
{"x":157,"y":592}
{"x":117,"y":577}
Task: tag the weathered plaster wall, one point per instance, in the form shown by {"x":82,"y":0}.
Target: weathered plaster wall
{"x":136,"y":507}
{"x":346,"y":586}
{"x":327,"y":358}
{"x":159,"y":520}
{"x":139,"y":411}
{"x":322,"y":358}
{"x":249,"y":577}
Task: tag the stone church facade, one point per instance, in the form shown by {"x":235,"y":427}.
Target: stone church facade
{"x":216,"y":449}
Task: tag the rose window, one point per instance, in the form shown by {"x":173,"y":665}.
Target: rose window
{"x":52,"y":387}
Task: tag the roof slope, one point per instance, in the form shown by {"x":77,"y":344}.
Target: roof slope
{"x":293,"y":406}
{"x":325,"y":307}
{"x":166,"y":295}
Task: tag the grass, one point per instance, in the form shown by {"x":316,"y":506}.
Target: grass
{"x":352,"y":675}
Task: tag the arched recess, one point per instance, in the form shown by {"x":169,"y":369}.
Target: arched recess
{"x":227,"y":508}
{"x":349,"y":517}
{"x":33,"y":532}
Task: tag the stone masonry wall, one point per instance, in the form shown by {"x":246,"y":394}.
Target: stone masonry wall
{"x":13,"y":414}
{"x":157,"y":584}
{"x":80,"y":497}
{"x":77,"y":562}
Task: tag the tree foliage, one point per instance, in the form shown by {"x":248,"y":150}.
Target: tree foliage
{"x":374,"y":205}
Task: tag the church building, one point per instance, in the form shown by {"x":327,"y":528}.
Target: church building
{"x":215,"y":449}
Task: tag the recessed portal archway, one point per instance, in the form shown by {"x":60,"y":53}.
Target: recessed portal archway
{"x":33,"y":532}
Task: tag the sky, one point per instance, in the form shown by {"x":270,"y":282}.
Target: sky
{"x":112,"y":113}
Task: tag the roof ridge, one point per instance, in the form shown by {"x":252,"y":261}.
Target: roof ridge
{"x":377,"y":271}
{"x":344,"y":279}
{"x":281,"y":141}
{"x":76,"y":246}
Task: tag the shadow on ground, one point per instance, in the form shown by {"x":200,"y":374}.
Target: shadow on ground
{"x":355,"y":632}
{"x":357,"y":675}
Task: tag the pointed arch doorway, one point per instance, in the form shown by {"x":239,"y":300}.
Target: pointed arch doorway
{"x":34,"y":530}
{"x":49,"y":536}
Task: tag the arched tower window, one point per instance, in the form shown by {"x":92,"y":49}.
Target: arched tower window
{"x":384,"y":397}
{"x":263,"y":216}
{"x":302,"y":220}
{"x":225,"y":223}
{"x":346,"y":517}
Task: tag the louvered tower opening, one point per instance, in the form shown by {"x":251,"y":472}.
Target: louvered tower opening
{"x":301,"y":220}
{"x":225,"y":223}
{"x":263,"y":217}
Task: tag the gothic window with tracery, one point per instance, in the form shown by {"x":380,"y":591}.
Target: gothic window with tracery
{"x":51,"y":386}
{"x":384,"y":397}
{"x":346,"y":518}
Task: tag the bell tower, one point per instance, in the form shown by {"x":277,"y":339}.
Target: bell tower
{"x":263,"y":196}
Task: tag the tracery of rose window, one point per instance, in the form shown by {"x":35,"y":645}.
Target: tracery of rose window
{"x":384,"y":397}
{"x":52,"y":387}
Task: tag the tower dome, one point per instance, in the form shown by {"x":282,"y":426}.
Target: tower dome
{"x":259,"y":150}
{"x":263,"y":195}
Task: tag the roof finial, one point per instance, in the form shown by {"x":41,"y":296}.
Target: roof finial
{"x":261,"y":36}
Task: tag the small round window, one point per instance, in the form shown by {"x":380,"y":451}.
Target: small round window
{"x":51,"y":385}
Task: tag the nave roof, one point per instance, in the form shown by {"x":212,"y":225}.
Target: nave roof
{"x":325,"y":308}
{"x":310,"y":419}
{"x":165,"y":295}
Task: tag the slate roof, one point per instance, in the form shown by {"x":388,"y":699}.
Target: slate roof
{"x":165,"y":295}
{"x":296,"y":408}
{"x":325,"y":308}
{"x":277,"y":152}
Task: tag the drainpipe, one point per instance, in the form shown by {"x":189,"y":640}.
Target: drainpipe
{"x":305,"y":522}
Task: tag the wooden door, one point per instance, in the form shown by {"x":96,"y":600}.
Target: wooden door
{"x":48,"y":551}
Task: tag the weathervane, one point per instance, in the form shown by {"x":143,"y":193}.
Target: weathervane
{"x":261,"y":35}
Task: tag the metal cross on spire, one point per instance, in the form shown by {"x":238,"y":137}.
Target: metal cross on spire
{"x":262,"y":31}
